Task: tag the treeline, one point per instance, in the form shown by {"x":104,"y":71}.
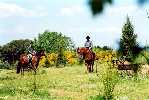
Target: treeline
{"x":59,"y":49}
{"x":51,"y":42}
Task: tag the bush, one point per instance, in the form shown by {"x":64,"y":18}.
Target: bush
{"x":6,"y":65}
{"x":61,"y":60}
{"x":70,"y":56}
{"x":110,"y":78}
{"x":105,"y":56}
{"x":42,"y":62}
{"x":80,"y":61}
{"x":51,"y":59}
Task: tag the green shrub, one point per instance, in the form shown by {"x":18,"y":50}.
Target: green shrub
{"x":5,"y":65}
{"x":110,"y":78}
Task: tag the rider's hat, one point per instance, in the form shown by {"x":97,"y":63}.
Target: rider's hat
{"x":87,"y":37}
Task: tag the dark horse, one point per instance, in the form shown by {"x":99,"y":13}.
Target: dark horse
{"x":24,"y":62}
{"x":88,"y":56}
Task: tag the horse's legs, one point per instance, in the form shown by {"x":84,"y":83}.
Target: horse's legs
{"x":35,"y":71}
{"x":89,"y":68}
{"x":86,"y":67}
{"x":92,"y":65}
{"x":23,"y":70}
{"x":19,"y":67}
{"x":34,"y":68}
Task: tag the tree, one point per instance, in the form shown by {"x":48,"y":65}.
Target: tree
{"x":12,"y":50}
{"x":128,"y":46}
{"x":0,"y":52}
{"x":52,"y":41}
{"x":61,"y":60}
{"x":106,"y":48}
{"x":97,"y":6}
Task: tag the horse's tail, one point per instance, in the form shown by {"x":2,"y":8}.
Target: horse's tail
{"x":18,"y":68}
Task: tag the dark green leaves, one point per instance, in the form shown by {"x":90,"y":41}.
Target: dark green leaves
{"x":52,"y":41}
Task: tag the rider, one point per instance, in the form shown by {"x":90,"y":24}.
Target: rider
{"x":31,"y":52}
{"x":88,"y":44}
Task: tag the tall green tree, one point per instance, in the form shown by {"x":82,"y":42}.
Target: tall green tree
{"x":61,"y":60}
{"x":52,"y":41}
{"x":128,"y":42}
{"x":11,"y":51}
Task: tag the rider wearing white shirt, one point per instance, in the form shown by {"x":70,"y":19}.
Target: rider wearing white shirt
{"x":88,"y":43}
{"x":31,"y":52}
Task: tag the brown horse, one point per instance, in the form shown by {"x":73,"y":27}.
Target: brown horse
{"x":24,"y":62}
{"x":88,"y":56}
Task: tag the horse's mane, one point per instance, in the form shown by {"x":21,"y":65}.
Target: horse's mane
{"x":38,"y":53}
{"x":22,"y":55}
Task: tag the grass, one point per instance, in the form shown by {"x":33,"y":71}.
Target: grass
{"x":68,"y":83}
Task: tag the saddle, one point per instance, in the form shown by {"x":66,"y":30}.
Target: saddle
{"x":91,"y":52}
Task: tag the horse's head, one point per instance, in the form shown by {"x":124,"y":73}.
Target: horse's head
{"x":41,"y":53}
{"x":81,"y":52}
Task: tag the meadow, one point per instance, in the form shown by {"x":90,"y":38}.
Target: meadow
{"x":69,"y":83}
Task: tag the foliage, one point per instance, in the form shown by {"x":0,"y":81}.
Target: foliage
{"x":110,"y":79}
{"x":102,"y":48}
{"x":106,"y":48}
{"x":128,"y":45}
{"x":70,"y":57}
{"x":52,"y":41}
{"x":52,"y":58}
{"x":4,"y":65}
{"x":0,"y":52}
{"x":12,"y":50}
{"x":56,"y":43}
{"x":61,"y":60}
{"x":143,"y":58}
{"x":42,"y":62}
{"x":69,"y":83}
{"x":97,"y":6}
{"x":105,"y":55}
{"x":49,"y":60}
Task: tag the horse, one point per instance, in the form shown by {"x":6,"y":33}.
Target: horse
{"x":88,"y":56}
{"x":25,"y":63}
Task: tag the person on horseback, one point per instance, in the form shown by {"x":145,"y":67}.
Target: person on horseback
{"x":31,"y":52}
{"x":88,"y":44}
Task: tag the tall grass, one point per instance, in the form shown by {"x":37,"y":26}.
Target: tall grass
{"x":110,"y":79}
{"x":71,"y":83}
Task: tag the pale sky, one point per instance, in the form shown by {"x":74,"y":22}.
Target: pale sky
{"x":21,"y":19}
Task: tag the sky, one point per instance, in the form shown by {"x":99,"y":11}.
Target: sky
{"x":25,"y":19}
